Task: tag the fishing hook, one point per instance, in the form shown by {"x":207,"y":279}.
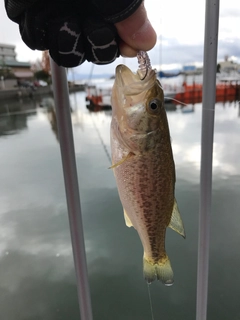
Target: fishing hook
{"x":145,"y":75}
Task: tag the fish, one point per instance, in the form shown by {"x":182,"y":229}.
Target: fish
{"x":143,"y":164}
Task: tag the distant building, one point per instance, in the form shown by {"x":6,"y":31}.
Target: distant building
{"x":191,"y":70}
{"x":9,"y":63}
{"x":228,"y":66}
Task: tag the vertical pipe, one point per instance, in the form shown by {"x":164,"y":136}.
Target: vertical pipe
{"x":61,"y":97}
{"x":208,"y":109}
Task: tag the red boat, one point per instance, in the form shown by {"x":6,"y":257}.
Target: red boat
{"x":98,"y":99}
{"x":224,"y":92}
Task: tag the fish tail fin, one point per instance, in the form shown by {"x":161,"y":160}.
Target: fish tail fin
{"x":164,"y":271}
{"x":161,"y":270}
{"x":149,"y":270}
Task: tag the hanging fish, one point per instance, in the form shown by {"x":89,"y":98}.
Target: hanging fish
{"x":143,"y":164}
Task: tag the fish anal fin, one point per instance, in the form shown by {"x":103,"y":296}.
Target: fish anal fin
{"x":128,"y":156}
{"x":176,"y":221}
{"x":161,"y":270}
{"x":127,"y":219}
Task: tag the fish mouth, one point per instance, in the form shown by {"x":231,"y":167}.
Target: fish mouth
{"x":132,"y":83}
{"x":124,"y":76}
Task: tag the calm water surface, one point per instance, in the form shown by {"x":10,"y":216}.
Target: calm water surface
{"x":37,"y":279}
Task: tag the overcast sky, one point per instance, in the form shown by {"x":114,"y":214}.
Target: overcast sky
{"x":180,"y":29}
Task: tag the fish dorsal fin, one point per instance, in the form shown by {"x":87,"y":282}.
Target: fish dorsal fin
{"x":127,"y":219}
{"x":128,"y":156}
{"x":176,"y":221}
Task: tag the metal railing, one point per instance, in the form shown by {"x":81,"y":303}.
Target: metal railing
{"x":61,"y":97}
{"x":65,"y":133}
{"x":208,"y":112}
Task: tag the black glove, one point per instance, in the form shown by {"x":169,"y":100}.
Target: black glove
{"x":72,"y":30}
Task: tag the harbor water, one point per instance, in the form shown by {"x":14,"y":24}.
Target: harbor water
{"x":37,"y":279}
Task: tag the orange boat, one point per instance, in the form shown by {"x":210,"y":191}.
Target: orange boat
{"x":97,"y":99}
{"x":193,"y":93}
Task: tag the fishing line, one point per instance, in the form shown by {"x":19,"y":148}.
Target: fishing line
{"x":91,"y":73}
{"x":101,"y":140}
{"x":169,"y":98}
{"x":150,"y":301}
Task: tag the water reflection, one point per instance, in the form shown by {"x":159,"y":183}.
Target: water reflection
{"x":12,"y":124}
{"x":28,"y":285}
{"x":13,"y":116}
{"x":36,"y":266}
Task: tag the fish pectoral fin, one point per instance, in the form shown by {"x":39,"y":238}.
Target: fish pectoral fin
{"x":127,"y":219}
{"x":176,"y":221}
{"x":128,"y":156}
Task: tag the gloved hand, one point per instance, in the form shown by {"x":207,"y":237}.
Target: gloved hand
{"x":72,"y":30}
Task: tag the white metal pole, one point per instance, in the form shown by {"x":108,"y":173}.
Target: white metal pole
{"x":62,"y":104}
{"x":208,"y":110}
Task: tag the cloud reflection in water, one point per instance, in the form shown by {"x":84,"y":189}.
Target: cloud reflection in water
{"x":37,"y":277}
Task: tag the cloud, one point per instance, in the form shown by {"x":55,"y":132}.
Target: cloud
{"x":181,"y":35}
{"x":230,"y":12}
{"x":230,"y":48}
{"x":230,"y":9}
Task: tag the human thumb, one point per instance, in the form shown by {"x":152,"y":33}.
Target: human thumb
{"x":136,"y":33}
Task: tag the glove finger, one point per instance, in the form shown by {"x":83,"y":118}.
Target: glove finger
{"x":33,"y":29}
{"x":101,"y":41}
{"x":66,"y":44}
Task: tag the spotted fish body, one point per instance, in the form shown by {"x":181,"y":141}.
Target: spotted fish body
{"x":143,"y":165}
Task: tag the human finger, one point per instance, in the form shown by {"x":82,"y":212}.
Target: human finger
{"x":136,"y":32}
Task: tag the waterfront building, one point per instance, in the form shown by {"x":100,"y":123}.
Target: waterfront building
{"x":10,"y":67}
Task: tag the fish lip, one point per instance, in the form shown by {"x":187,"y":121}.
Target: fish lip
{"x":122,"y":72}
{"x":132,"y":83}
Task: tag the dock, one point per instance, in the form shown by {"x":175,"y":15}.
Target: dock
{"x":30,"y":92}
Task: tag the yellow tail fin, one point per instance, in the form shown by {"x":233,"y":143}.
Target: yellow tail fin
{"x":161,"y":270}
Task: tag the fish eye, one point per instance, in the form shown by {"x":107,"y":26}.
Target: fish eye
{"x":154,"y":105}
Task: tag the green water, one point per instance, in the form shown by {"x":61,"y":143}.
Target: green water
{"x":37,"y":279}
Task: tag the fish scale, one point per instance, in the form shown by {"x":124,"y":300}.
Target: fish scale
{"x":143,"y":164}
